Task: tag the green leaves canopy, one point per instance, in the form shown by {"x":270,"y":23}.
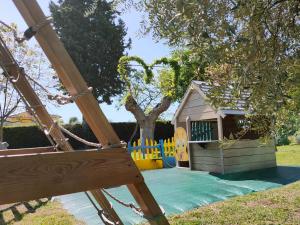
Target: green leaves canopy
{"x":255,"y":45}
{"x":94,"y":36}
{"x":167,"y":79}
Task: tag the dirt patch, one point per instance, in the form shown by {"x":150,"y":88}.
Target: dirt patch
{"x":261,"y":202}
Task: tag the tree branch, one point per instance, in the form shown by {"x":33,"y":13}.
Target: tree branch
{"x":161,"y":107}
{"x":132,"y":106}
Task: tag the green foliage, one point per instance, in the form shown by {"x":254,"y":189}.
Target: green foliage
{"x":32,"y":136}
{"x":73,"y":120}
{"x":148,"y":74}
{"x":94,"y":36}
{"x":254,"y":45}
{"x":123,"y":68}
{"x":167,"y":78}
{"x":288,"y":124}
{"x":25,"y":137}
{"x":192,"y":66}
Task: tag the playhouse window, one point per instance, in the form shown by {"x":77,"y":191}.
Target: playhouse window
{"x":202,"y":130}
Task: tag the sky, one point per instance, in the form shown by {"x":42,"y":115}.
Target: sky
{"x":144,"y":47}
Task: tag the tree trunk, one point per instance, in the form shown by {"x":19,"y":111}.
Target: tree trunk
{"x":147,"y":128}
{"x":1,"y":133}
{"x":1,"y":130}
{"x":146,"y":122}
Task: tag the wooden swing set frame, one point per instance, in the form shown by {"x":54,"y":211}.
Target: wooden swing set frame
{"x":32,"y":173}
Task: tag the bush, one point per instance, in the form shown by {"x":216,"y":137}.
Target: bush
{"x":282,"y":140}
{"x":27,"y":137}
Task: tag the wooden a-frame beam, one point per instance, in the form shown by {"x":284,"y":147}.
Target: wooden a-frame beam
{"x":44,"y":117}
{"x":34,"y":176}
{"x":22,"y":84}
{"x":23,"y":151}
{"x":74,"y":83}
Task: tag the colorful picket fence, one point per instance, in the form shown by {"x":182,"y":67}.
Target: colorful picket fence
{"x":151,"y":154}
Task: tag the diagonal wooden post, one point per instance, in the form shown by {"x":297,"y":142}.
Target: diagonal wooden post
{"x":22,"y":84}
{"x":76,"y":86}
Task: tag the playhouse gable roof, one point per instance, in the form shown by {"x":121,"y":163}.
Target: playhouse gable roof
{"x":204,"y":90}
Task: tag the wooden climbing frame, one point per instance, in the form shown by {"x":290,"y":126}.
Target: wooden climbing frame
{"x":28,"y":174}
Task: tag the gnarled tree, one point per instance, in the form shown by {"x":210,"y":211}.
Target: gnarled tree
{"x":36,"y":67}
{"x":147,"y":95}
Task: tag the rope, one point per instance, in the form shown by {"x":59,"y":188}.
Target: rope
{"x":27,"y":105}
{"x":88,"y":143}
{"x":92,"y":144}
{"x":61,"y":100}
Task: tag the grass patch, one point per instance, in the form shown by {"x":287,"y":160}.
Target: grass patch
{"x":52,"y":213}
{"x":276,"y":206}
{"x":288,"y":155}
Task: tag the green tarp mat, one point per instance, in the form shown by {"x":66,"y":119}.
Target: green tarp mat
{"x":178,"y":190}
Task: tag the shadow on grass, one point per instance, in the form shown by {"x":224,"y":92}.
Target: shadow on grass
{"x":15,"y":212}
{"x":280,"y":174}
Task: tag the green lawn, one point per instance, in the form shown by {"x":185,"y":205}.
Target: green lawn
{"x":277,"y":206}
{"x":288,"y":155}
{"x":51,"y":213}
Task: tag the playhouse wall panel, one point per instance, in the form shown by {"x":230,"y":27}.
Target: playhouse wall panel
{"x":245,"y":155}
{"x":206,"y":158}
{"x":249,"y":166}
{"x":196,"y":108}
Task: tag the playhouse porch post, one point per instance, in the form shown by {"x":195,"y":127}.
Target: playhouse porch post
{"x":220,"y":128}
{"x":189,"y":137}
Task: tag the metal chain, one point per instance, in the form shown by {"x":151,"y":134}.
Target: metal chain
{"x":135,"y":209}
{"x":101,"y":213}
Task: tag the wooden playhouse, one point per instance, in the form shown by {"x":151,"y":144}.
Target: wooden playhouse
{"x":206,"y":127}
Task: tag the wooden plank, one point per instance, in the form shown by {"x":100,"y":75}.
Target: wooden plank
{"x":68,"y":72}
{"x":23,"y":151}
{"x":220,"y":128}
{"x":195,"y":102}
{"x":250,"y":166}
{"x":195,"y":117}
{"x":45,"y":118}
{"x":248,"y":151}
{"x":34,"y":176}
{"x":209,"y":147}
{"x":31,"y":97}
{"x":74,"y":83}
{"x":240,"y":160}
{"x":206,"y":160}
{"x":189,"y":137}
{"x":244,"y":143}
{"x":194,"y":95}
{"x":209,"y":168}
{"x":196,"y":110}
{"x":146,"y":201}
{"x":207,"y":153}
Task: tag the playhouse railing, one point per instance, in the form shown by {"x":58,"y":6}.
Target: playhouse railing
{"x":152,"y":150}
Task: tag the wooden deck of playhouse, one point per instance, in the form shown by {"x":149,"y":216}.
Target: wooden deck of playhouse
{"x":207,"y":128}
{"x":236,"y":156}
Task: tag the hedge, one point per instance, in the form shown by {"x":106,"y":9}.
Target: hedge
{"x":26,"y":137}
